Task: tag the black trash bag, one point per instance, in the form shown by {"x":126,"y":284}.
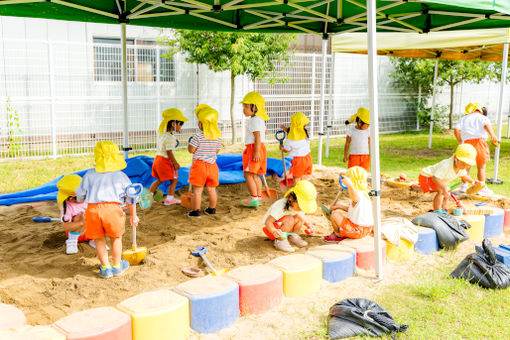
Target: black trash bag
{"x":450,"y":231}
{"x":483,"y":269}
{"x":353,"y":317}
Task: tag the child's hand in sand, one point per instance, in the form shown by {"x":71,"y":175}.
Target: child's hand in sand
{"x":277,"y":233}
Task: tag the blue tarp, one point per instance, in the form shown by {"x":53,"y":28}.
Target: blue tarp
{"x":139,"y":171}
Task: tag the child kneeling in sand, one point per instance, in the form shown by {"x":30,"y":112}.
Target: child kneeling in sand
{"x":359,"y":221}
{"x":287,"y":215}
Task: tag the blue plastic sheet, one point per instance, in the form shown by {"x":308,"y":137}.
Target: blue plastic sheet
{"x":139,"y":171}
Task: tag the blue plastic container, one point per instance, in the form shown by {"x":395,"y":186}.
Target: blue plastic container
{"x":427,"y":241}
{"x":494,"y":224}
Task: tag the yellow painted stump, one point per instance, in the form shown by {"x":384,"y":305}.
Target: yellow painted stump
{"x":302,"y":274}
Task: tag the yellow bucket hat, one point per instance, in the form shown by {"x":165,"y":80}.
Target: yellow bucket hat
{"x":259,"y":101}
{"x":358,"y":177}
{"x":108,"y":157}
{"x":168,"y":115}
{"x":466,"y":153}
{"x":364,"y":115}
{"x":297,"y":125}
{"x":209,"y":119}
{"x":67,"y":187}
{"x":472,"y":107}
{"x":306,"y":196}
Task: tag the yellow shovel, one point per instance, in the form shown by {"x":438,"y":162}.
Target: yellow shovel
{"x":135,"y":255}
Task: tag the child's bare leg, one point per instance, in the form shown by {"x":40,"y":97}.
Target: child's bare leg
{"x":444,"y":205}
{"x":481,"y":172}
{"x":102,"y":253}
{"x":438,"y":201}
{"x":288,"y":224}
{"x":336,"y":218}
{"x":298,"y":224}
{"x":171,"y":187}
{"x":197,"y":197}
{"x":250,"y":183}
{"x":213,"y":197}
{"x":154,"y":186}
{"x":116,"y":249}
{"x":258,"y":183}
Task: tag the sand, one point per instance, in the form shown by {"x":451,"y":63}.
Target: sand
{"x":38,"y":277}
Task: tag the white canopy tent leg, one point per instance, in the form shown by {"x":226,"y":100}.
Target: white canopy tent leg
{"x":374,"y":134}
{"x":504,"y":66}
{"x":321,"y":103}
{"x":330,"y":102}
{"x":124,"y":91}
{"x":434,"y":90}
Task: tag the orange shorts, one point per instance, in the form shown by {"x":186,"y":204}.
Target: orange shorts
{"x":277,"y":225}
{"x":352,"y":230}
{"x":300,"y":166}
{"x":249,"y":165}
{"x":104,"y":218}
{"x":203,"y":173}
{"x":483,"y":153}
{"x":163,"y":169}
{"x":426,"y":183}
{"x":359,"y":160}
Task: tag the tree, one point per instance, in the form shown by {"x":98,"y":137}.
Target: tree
{"x":415,"y":73}
{"x":253,"y":54}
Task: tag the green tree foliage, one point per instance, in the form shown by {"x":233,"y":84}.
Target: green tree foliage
{"x":411,"y":74}
{"x":253,"y":54}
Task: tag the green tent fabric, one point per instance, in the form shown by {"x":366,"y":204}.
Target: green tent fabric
{"x":322,"y":17}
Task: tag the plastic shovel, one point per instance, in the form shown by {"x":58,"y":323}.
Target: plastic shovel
{"x":135,"y":255}
{"x":200,"y":252}
{"x":286,"y":182}
{"x":45,"y":219}
{"x":459,"y":204}
{"x":268,"y":195}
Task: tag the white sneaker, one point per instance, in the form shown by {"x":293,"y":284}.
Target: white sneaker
{"x":283,"y":245}
{"x":71,"y":246}
{"x":92,"y":243}
{"x":463,"y":188}
{"x":485,"y":192}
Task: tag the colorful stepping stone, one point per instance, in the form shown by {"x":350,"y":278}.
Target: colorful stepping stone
{"x":103,"y":323}
{"x":365,"y":255}
{"x":11,"y":317}
{"x":302,"y":274}
{"x":158,"y":315}
{"x":494,"y":223}
{"x":427,"y":241}
{"x":260,"y":287}
{"x":403,"y":252}
{"x":477,"y":223}
{"x":506,"y":221}
{"x":214,"y":302}
{"x":27,"y":332}
{"x":338,"y":262}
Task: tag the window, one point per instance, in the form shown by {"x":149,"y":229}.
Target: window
{"x":141,"y":61}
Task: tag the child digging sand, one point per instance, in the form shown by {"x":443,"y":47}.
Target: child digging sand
{"x":357,"y":141}
{"x":254,"y":155}
{"x":204,"y":146}
{"x":287,"y":216}
{"x":165,"y":165}
{"x":105,"y":190}
{"x":298,"y":146}
{"x":435,"y":178}
{"x":359,"y":221}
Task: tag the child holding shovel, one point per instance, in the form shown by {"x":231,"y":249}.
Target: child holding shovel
{"x":204,"y":146}
{"x":254,"y":155}
{"x":287,"y":216}
{"x":165,"y":165}
{"x":357,"y":141}
{"x":104,"y":189}
{"x":298,"y":146}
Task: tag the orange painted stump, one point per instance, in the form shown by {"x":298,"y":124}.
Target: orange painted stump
{"x":506,"y":222}
{"x":11,"y":317}
{"x":103,"y":323}
{"x":365,"y":254}
{"x":260,"y":287}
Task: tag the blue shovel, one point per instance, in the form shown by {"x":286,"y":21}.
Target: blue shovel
{"x":200,"y":252}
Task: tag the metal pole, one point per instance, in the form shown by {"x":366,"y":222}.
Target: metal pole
{"x":158,"y":87}
{"x":504,"y":66}
{"x":52,"y":100}
{"x":433,"y":104}
{"x":374,"y":134}
{"x":321,"y":103}
{"x":312,"y":106}
{"x":124,"y":91}
{"x":330,"y":103}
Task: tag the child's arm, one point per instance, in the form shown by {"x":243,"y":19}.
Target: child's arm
{"x":133,"y":218}
{"x":339,"y":206}
{"x":172,"y":159}
{"x":441,"y":186}
{"x":256,"y":149}
{"x":284,"y":128}
{"x":75,"y":225}
{"x":353,"y":194}
{"x":458,"y":135}
{"x":467,"y":179}
{"x":270,"y":227}
{"x":490,"y":131}
{"x":346,"y":148}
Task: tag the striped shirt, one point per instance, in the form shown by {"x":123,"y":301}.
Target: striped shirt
{"x":206,"y":149}
{"x":166,"y":142}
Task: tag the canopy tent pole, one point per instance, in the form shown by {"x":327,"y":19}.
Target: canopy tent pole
{"x":504,"y":66}
{"x":374,"y":134}
{"x":330,"y":102}
{"x":321,"y":103}
{"x":434,"y":90}
{"x":126,"y":147}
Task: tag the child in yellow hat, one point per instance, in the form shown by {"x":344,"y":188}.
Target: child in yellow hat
{"x":165,"y":166}
{"x":435,"y":178}
{"x":105,"y":189}
{"x":298,"y":146}
{"x":357,"y":141}
{"x":204,"y":146}
{"x":287,"y":215}
{"x":472,"y":129}
{"x":254,"y":155}
{"x":72,"y":212}
{"x":359,"y":221}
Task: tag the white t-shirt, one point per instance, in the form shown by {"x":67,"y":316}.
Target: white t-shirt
{"x":277,"y":210}
{"x":359,"y":141}
{"x":361,"y":213}
{"x":443,"y":170}
{"x":471,"y":126}
{"x":100,"y":187}
{"x":298,"y":148}
{"x":166,"y":141}
{"x":255,"y":123}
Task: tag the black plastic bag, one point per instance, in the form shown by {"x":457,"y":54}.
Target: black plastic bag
{"x":450,"y":231}
{"x":483,"y":269}
{"x":353,"y":317}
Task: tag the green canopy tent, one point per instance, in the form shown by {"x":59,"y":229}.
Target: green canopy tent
{"x":320,"y":17}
